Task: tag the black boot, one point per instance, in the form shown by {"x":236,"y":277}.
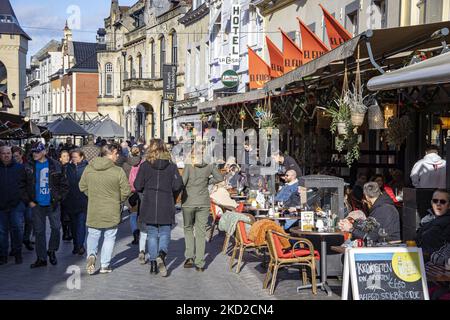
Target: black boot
{"x":67,"y":235}
{"x":135,"y":237}
{"x":153,"y":267}
{"x":162,"y":263}
{"x":52,"y":257}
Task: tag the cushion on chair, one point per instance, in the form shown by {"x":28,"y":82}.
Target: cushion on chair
{"x":287,"y":253}
{"x":243,"y":232}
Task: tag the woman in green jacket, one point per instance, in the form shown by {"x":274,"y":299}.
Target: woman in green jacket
{"x":196,"y":205}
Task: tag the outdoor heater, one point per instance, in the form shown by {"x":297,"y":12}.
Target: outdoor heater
{"x":328,"y":191}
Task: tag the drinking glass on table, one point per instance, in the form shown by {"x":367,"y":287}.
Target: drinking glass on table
{"x":383,"y":235}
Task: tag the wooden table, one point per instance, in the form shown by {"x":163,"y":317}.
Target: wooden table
{"x":236,"y":197}
{"x":323,"y":254}
{"x":437,"y":273}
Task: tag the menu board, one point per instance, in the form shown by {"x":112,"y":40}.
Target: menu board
{"x":386,"y":273}
{"x":307,"y":220}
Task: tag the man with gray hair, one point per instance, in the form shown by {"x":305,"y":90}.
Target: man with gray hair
{"x":382,"y":209}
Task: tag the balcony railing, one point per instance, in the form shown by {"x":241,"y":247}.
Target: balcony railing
{"x":136,"y":35}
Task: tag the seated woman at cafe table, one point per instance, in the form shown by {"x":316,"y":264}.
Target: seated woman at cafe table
{"x":382,"y":209}
{"x":434,"y":229}
{"x":234,"y":177}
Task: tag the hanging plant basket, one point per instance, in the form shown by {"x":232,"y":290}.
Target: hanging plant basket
{"x":357,"y":119}
{"x":341,"y":128}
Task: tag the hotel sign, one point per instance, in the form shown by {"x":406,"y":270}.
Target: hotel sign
{"x":170,"y":82}
{"x":233,"y":58}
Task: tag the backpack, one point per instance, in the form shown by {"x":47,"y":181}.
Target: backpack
{"x":133,"y":174}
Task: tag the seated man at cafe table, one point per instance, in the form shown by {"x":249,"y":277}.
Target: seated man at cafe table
{"x":382,"y":209}
{"x":434,"y":230}
{"x":289,"y":192}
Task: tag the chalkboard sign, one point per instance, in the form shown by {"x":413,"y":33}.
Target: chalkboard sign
{"x":385,"y":273}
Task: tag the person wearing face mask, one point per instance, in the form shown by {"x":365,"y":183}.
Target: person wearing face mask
{"x":434,"y":228}
{"x":382,"y":209}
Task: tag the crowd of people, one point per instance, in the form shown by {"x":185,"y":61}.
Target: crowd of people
{"x":84,"y":191}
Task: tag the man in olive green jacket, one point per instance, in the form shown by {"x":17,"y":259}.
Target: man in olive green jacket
{"x":106,"y":187}
{"x":196,"y":204}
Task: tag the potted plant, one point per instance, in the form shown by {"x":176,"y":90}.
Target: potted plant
{"x":242,"y":117}
{"x":397,"y":130}
{"x":341,"y":117}
{"x":268,"y":122}
{"x":357,"y":107}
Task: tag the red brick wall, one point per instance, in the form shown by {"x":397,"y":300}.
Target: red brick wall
{"x":87,"y":92}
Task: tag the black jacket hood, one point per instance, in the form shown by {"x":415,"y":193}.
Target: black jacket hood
{"x":382,"y":200}
{"x":160,"y":164}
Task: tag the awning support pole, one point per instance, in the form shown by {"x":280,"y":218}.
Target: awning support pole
{"x":369,"y":34}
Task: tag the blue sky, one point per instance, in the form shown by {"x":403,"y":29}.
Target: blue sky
{"x":44,"y":20}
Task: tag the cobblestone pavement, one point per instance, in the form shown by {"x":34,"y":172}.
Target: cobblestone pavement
{"x":132,"y":281}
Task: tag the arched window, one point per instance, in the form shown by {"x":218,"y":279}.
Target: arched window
{"x":3,"y":78}
{"x":58,"y":102}
{"x":68,"y":100}
{"x":139,"y":61}
{"x":174,"y":47}
{"x":131,"y":67}
{"x":162,"y":54}
{"x":63,"y":100}
{"x":152,"y":59}
{"x":109,"y":79}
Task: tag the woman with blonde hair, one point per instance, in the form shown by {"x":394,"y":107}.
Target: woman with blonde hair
{"x":159,"y":181}
{"x":196,"y":203}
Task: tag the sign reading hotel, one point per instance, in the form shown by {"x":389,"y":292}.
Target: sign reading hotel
{"x":233,"y":58}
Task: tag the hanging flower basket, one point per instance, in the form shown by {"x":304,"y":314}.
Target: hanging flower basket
{"x":357,"y":119}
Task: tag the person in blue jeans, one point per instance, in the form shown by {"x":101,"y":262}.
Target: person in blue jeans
{"x":106,"y":186}
{"x":160,"y":182}
{"x":12,"y":209}
{"x":76,"y":201}
{"x":46,"y":186}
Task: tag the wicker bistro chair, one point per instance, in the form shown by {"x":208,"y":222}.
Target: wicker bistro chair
{"x":215,"y":219}
{"x":302,"y":254}
{"x":241,"y":244}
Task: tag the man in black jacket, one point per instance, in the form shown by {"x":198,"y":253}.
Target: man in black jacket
{"x":12,"y":209}
{"x":382,"y":210}
{"x":288,"y":163}
{"x":434,"y":230}
{"x":46,"y":186}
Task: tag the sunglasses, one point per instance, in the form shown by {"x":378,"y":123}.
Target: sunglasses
{"x":440,"y":201}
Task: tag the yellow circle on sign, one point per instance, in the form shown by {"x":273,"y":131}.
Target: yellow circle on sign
{"x":407,"y":266}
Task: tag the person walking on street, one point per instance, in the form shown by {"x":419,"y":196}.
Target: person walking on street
{"x":76,"y":201}
{"x":90,"y":150}
{"x":429,"y":172}
{"x":160,"y":182}
{"x":106,"y":187}
{"x":12,"y":209}
{"x":64,"y":160}
{"x":131,"y":168}
{"x":46,"y":187}
{"x":196,"y":204}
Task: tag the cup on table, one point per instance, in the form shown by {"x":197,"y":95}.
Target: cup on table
{"x":411,"y":243}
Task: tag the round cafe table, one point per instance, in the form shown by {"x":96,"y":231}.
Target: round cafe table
{"x":323,"y":235}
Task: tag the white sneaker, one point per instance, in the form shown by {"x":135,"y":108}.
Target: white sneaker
{"x":105,"y":270}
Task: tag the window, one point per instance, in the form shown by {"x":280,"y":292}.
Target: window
{"x":433,"y":11}
{"x":139,"y":58}
{"x":63,"y":100}
{"x":381,"y":8}
{"x":132,"y":71}
{"x":152,"y":59}
{"x":197,"y":66}
{"x":109,"y":79}
{"x":174,"y":48}
{"x":351,"y":23}
{"x":422,"y":11}
{"x":162,"y":53}
{"x":188,"y":68}
{"x":207,"y":66}
{"x":68,"y":100}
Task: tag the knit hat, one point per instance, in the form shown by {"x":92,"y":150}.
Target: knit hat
{"x":38,"y":147}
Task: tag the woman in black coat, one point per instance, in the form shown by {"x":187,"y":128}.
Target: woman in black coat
{"x":160,"y":182}
{"x":75,"y":204}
